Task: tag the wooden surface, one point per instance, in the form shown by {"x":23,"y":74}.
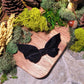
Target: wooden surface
{"x":46,"y":63}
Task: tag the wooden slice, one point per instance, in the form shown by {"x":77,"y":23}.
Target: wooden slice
{"x":42,"y":68}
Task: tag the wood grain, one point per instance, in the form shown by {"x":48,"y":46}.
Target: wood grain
{"x":42,"y":68}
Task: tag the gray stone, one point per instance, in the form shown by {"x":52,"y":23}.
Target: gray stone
{"x":67,"y":70}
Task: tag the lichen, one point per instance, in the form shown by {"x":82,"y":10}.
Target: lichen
{"x":79,"y":43}
{"x":32,"y":19}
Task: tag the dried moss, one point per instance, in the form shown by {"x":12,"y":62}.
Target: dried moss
{"x":32,"y":19}
{"x":79,"y":43}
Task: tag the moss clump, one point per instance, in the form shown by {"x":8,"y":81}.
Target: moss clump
{"x":7,"y":63}
{"x":79,"y":44}
{"x":32,"y":19}
{"x":17,"y":33}
{"x":53,"y":5}
{"x":69,"y":15}
{"x":3,"y":78}
{"x":60,"y":4}
{"x":26,"y":37}
{"x":53,"y":18}
{"x":80,"y":12}
{"x":66,"y":14}
{"x":72,"y":37}
{"x":56,"y":6}
{"x":47,"y":4}
{"x":11,"y":47}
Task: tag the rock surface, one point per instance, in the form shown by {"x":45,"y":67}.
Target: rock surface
{"x":67,"y":70}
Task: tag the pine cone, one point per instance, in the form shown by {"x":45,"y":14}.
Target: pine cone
{"x":12,"y":6}
{"x":33,"y":3}
{"x":16,"y":6}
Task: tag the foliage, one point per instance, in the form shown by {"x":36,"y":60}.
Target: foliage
{"x":3,"y":78}
{"x":47,"y":4}
{"x":32,"y":19}
{"x":66,"y":14}
{"x":79,"y":44}
{"x":53,"y":18}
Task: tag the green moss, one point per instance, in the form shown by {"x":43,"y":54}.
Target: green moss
{"x":66,"y":14}
{"x":32,"y":19}
{"x":53,"y":18}
{"x":26,"y":38}
{"x":11,"y":48}
{"x":60,"y":4}
{"x":7,"y":63}
{"x":79,"y":44}
{"x":80,"y":12}
{"x":17,"y":33}
{"x":14,"y":77}
{"x":3,"y":78}
{"x":47,"y":4}
{"x":72,"y":37}
{"x":69,"y":15}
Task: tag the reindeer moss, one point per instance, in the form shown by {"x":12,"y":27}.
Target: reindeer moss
{"x":32,"y":19}
{"x":69,"y":15}
{"x":79,"y":44}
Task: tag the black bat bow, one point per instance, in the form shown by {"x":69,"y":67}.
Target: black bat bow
{"x":34,"y":54}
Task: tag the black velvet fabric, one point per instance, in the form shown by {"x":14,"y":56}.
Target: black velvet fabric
{"x":34,"y":54}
